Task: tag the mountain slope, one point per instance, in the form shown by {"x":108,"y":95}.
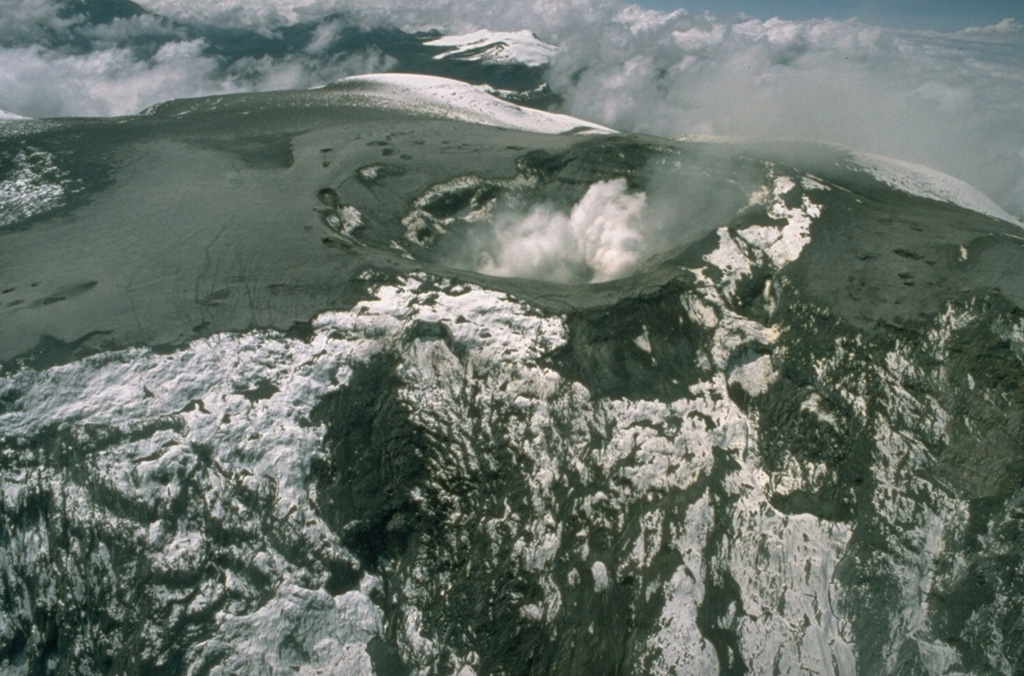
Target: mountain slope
{"x":784,"y":437}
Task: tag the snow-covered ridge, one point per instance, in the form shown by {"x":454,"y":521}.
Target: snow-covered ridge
{"x":442,"y":97}
{"x":923,"y":181}
{"x":908,"y":177}
{"x":244,"y":399}
{"x":519,"y":47}
{"x":7,"y":117}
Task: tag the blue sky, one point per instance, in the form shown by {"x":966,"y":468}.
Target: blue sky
{"x":941,"y":15}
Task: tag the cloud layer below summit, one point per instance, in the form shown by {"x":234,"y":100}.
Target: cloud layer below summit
{"x":954,"y":102}
{"x":951,"y":101}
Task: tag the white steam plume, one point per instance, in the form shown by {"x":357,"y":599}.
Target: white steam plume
{"x":601,"y":238}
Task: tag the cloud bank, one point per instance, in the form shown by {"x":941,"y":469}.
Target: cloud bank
{"x":449,"y":16}
{"x":57,"y":62}
{"x":954,"y":101}
{"x":114,"y":81}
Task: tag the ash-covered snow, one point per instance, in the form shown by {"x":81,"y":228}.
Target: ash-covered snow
{"x":496,"y":48}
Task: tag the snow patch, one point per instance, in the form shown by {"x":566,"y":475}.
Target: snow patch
{"x":451,"y":99}
{"x":325,"y":635}
{"x":496,"y":48}
{"x":370,"y":173}
{"x":735,"y":255}
{"x":811,"y":183}
{"x":925,"y":182}
{"x":32,"y":185}
{"x":196,"y":398}
{"x":600,"y":573}
{"x":755,"y":377}
{"x":643,"y":341}
{"x":813,"y":404}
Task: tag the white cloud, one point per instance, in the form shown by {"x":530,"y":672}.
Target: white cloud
{"x":1008,"y":27}
{"x":452,"y":16}
{"x":40,"y":83}
{"x":29,"y":20}
{"x":948,"y":101}
{"x":37,"y":82}
{"x":125,"y":29}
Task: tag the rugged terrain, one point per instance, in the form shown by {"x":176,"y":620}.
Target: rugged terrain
{"x":302,"y":382}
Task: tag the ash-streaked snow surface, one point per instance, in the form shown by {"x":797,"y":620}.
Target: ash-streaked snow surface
{"x":394,"y":376}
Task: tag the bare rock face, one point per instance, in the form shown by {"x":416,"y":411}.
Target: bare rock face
{"x":296,"y":384}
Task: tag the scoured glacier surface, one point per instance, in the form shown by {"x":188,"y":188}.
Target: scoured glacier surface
{"x":298,"y":408}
